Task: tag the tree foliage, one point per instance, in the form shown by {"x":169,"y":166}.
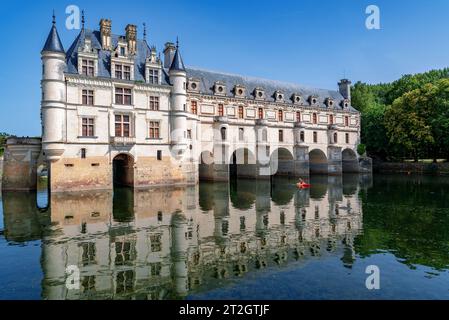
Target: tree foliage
{"x":406,"y":118}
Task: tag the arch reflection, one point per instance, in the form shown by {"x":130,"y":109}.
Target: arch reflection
{"x":171,"y":242}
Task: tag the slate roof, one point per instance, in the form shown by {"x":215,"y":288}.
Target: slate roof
{"x":208,"y":78}
{"x":53,"y":42}
{"x":177,"y":63}
{"x":104,"y":56}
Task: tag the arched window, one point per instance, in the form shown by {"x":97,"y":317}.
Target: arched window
{"x":335,"y":137}
{"x":260,"y":113}
{"x":240,"y":112}
{"x":314,"y":118}
{"x":223,"y":133}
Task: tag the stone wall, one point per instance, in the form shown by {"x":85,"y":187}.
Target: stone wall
{"x":75,"y":174}
{"x":411,"y":168}
{"x":20,"y":164}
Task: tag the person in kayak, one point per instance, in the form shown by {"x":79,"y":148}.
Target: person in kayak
{"x":302,"y":184}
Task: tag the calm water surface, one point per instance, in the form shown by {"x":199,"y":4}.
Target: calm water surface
{"x":242,"y":240}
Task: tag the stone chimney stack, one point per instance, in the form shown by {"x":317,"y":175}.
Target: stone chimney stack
{"x":131,"y":37}
{"x":105,"y":33}
{"x":169,"y":53}
{"x":344,"y":86}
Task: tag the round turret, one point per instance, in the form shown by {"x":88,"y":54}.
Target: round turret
{"x":53,"y":95}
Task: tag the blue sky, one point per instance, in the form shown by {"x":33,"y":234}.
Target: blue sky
{"x":309,"y":42}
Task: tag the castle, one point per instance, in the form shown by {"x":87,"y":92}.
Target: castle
{"x":114,"y":111}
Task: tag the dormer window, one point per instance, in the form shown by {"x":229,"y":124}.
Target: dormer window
{"x":259,"y":94}
{"x":345,"y":103}
{"x":313,"y":100}
{"x":88,"y":67}
{"x":296,"y":98}
{"x":153,"y":76}
{"x":278,"y":96}
{"x":193,"y":85}
{"x":220,"y":88}
{"x":329,"y":102}
{"x":122,"y":51}
{"x":122,"y":72}
{"x":239,"y":91}
{"x":87,"y":59}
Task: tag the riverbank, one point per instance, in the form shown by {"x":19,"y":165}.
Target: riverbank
{"x":441,"y":168}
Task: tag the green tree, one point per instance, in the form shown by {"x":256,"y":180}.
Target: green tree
{"x":408,"y":120}
{"x":3,"y":137}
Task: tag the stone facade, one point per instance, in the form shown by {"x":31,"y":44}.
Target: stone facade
{"x":110,"y":100}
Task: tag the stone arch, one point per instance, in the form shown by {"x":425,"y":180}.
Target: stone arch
{"x":123,"y":170}
{"x":242,"y":163}
{"x":318,"y":162}
{"x":282,"y":162}
{"x":350,"y":163}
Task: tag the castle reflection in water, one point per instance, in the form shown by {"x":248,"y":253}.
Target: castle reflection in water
{"x":167,"y":243}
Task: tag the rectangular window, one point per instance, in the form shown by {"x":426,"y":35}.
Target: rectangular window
{"x":241,"y":115}
{"x":159,"y":155}
{"x":241,"y":134}
{"x":118,"y":71}
{"x":88,"y":97}
{"x":123,"y":96}
{"x":127,"y":72}
{"x":154,"y":130}
{"x":331,"y":119}
{"x":280,"y":115}
{"x":298,"y":116}
{"x":83,"y":153}
{"x":189,"y":134}
{"x":87,"y":127}
{"x":220,"y":110}
{"x":87,"y":67}
{"x":154,"y":103}
{"x":315,"y":137}
{"x":260,"y":113}
{"x":314,"y":118}
{"x":346,"y":121}
{"x":122,"y":125}
{"x":153,"y":76}
{"x":301,"y":136}
{"x":347,"y":137}
{"x":194,"y":107}
{"x":281,"y":135}
{"x":122,"y":51}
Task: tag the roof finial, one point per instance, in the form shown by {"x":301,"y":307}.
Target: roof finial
{"x":54,"y":17}
{"x":177,"y":42}
{"x":144,"y":31}
{"x":82,"y":19}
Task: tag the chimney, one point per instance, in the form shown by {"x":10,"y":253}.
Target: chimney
{"x":344,"y":86}
{"x":105,"y":33}
{"x":131,"y":33}
{"x":169,"y":53}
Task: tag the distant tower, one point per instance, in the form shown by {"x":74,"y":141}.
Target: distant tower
{"x":178,"y":79}
{"x":53,"y":95}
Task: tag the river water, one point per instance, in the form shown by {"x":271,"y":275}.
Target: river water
{"x":239,"y":240}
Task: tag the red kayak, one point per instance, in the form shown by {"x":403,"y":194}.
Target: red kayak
{"x":303,"y":185}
